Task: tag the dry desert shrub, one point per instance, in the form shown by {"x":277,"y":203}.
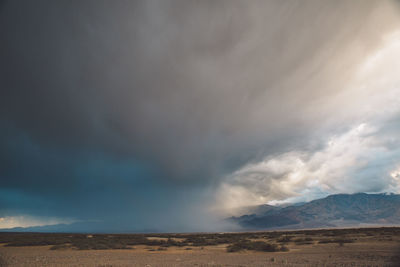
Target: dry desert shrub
{"x":255,"y":245}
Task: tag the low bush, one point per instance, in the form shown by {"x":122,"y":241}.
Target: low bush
{"x":255,"y":245}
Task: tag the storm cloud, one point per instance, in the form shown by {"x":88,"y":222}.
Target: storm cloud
{"x":145,"y":111}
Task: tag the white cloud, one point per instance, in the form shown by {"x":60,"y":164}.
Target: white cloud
{"x":362,"y":158}
{"x":356,"y":161}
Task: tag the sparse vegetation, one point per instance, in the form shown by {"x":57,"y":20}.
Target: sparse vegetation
{"x":304,"y":248}
{"x":255,"y":245}
{"x":256,"y":241}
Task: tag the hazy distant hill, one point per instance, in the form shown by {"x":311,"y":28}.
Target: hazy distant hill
{"x":334,"y":210}
{"x":257,"y":209}
{"x":78,"y":227}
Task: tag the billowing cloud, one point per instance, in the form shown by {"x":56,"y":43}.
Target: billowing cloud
{"x":141,"y":110}
{"x":356,"y":161}
{"x":363,"y":158}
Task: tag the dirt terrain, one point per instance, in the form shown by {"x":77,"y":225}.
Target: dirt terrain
{"x":340,"y":247}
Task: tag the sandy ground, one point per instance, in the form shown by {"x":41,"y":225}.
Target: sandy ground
{"x":355,"y":254}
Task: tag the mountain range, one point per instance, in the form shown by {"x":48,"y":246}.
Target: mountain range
{"x":341,"y":210}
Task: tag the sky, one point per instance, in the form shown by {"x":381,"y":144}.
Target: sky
{"x":169,"y":115}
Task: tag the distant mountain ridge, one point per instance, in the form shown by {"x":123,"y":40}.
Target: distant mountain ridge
{"x":341,"y":210}
{"x":78,"y":227}
{"x":333,"y":211}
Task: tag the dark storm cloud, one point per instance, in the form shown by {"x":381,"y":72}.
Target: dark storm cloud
{"x":156,"y":92}
{"x":88,"y":186}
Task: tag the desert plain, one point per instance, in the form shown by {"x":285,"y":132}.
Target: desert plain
{"x":323,"y":247}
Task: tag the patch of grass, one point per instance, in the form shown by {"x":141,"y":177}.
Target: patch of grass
{"x":19,"y":240}
{"x":255,"y":245}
